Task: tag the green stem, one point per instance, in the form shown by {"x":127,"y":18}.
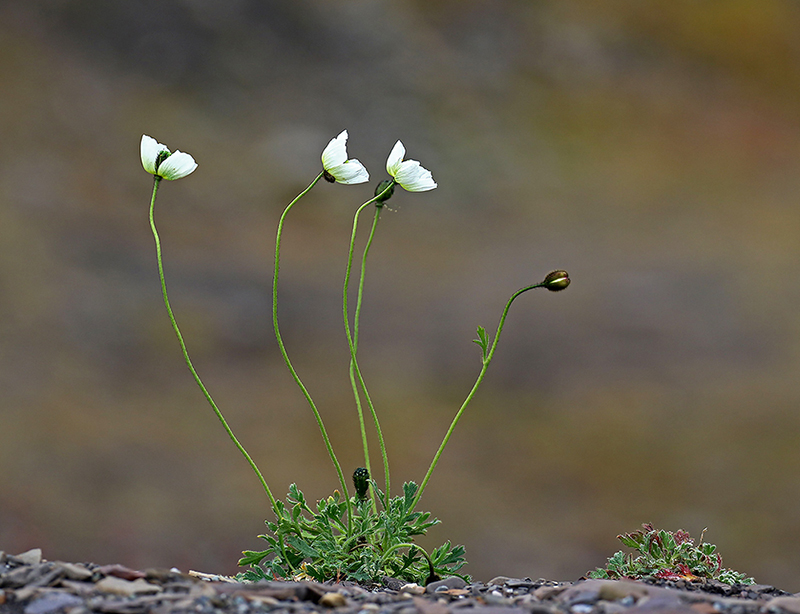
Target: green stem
{"x":432,"y":577}
{"x":288,"y":362}
{"x":486,"y":360}
{"x":186,"y":353}
{"x":352,"y":338}
{"x":353,"y":384}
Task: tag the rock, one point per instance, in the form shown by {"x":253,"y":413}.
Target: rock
{"x":591,"y":591}
{"x":332,"y":600}
{"x":120,"y":571}
{"x":29,"y":557}
{"x":544,"y":593}
{"x":52,"y":602}
{"x":498,"y":581}
{"x":446,"y":584}
{"x":787,"y":604}
{"x":392,"y":583}
{"x":72,"y":571}
{"x":23,"y":576}
{"x":619,"y":589}
{"x":126,"y":588}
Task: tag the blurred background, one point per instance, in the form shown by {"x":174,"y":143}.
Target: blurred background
{"x":651,"y":149}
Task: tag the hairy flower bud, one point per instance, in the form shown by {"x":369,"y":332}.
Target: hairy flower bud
{"x":556,"y":280}
{"x":381,"y":187}
{"x":361,"y":482}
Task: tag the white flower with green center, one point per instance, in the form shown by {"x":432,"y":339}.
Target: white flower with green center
{"x":338,"y":167}
{"x":161,"y":162}
{"x":408,"y":173}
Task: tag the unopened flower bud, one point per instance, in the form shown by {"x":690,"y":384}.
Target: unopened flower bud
{"x":556,"y":280}
{"x":381,"y":187}
{"x":361,"y":482}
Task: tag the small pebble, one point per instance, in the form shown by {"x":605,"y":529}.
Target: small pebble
{"x":30,"y":557}
{"x":126,"y":588}
{"x":51,"y":602}
{"x":447,"y":583}
{"x":332,"y":600}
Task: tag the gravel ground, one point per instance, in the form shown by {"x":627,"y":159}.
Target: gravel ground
{"x":30,"y":584}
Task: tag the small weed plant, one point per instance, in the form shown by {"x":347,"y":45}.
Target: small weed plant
{"x":370,"y":534}
{"x":668,"y":555}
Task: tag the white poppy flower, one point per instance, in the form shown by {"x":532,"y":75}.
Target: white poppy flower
{"x":158,"y":160}
{"x":408,"y":173}
{"x":338,"y":167}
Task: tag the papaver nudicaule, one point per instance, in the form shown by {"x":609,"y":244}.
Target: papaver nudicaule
{"x":408,"y":173}
{"x":338,"y":167}
{"x":158,"y":160}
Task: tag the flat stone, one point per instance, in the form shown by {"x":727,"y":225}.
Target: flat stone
{"x":23,"y":576}
{"x":616,"y":590}
{"x":50,"y":576}
{"x":332,"y":600}
{"x":662,"y":607}
{"x":787,"y":604}
{"x":446,"y":584}
{"x":592,"y":591}
{"x":127,"y":588}
{"x":51,"y":602}
{"x":120,"y":571}
{"x":29,"y":557}
{"x":426,"y":606}
{"x":73,"y":571}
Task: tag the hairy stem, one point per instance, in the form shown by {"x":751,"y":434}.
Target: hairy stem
{"x":186,"y":353}
{"x":352,"y":337}
{"x":288,"y":362}
{"x":471,"y":394}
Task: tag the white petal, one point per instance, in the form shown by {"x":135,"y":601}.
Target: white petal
{"x":336,"y":164}
{"x":395,"y":158}
{"x":414,"y":177}
{"x":149,"y":150}
{"x":350,"y":172}
{"x":335,"y":153}
{"x":177,"y":165}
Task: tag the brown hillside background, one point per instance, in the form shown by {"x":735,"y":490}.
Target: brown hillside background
{"x":651,"y":149}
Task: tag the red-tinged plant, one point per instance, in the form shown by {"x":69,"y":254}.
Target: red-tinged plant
{"x":668,"y":555}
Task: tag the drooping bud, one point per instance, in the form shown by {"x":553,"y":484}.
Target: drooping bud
{"x":361,"y":482}
{"x":381,"y":187}
{"x":556,"y":280}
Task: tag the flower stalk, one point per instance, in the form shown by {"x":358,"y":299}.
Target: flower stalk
{"x":352,"y":335}
{"x":555,"y":281}
{"x":282,"y":347}
{"x":184,"y":351}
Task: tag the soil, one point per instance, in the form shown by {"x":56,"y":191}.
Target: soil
{"x":30,"y":584}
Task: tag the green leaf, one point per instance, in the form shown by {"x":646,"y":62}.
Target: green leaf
{"x":251,"y":557}
{"x":301,"y":546}
{"x":482,"y":341}
{"x":409,"y":491}
{"x":628,"y":540}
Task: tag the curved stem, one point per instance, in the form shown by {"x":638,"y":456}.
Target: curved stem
{"x":486,"y":361}
{"x":186,"y":353}
{"x":352,"y":338}
{"x":356,"y":395}
{"x":432,"y":577}
{"x":288,"y":362}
